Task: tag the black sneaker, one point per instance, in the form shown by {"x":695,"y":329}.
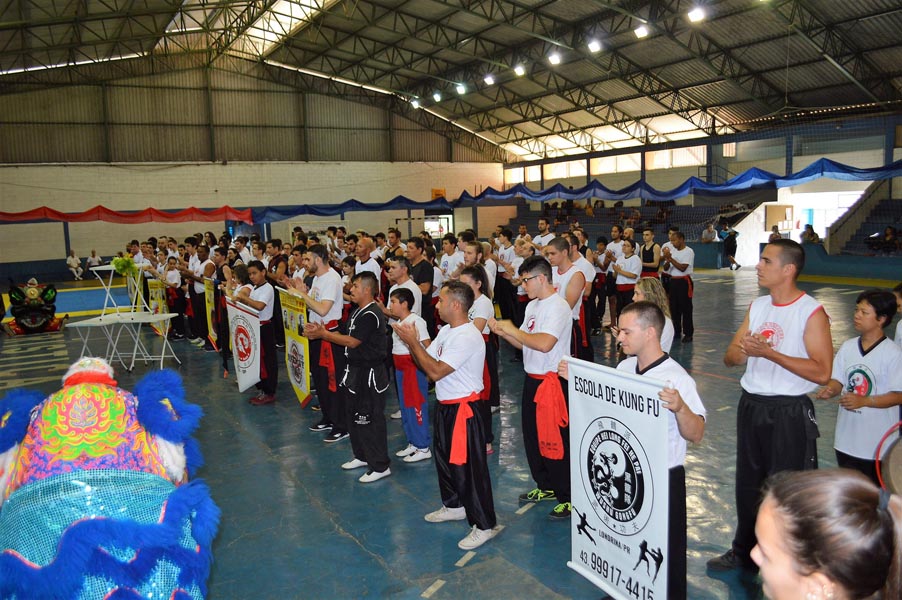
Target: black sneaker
{"x":335,"y":436}
{"x":561,"y":511}
{"x":537,"y":495}
{"x":728,"y":561}
{"x":321,"y":426}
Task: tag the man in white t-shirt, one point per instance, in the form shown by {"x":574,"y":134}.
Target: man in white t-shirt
{"x":545,"y":234}
{"x":454,"y":361}
{"x":262,"y":299}
{"x":544,"y":338}
{"x":679,"y":260}
{"x":365,"y":261}
{"x":784,"y":342}
{"x":398,"y":270}
{"x":505,"y":293}
{"x":570,"y":283}
{"x":452,"y":259}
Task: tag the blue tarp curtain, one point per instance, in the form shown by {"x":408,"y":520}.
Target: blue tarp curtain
{"x":754,"y":178}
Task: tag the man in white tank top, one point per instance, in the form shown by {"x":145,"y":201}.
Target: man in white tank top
{"x":784,"y":342}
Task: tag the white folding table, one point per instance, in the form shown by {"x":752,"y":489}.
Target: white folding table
{"x":111,"y":326}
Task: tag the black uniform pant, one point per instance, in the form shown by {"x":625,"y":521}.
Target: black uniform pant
{"x":548,"y":473}
{"x":505,"y":296}
{"x":597,"y":307}
{"x":773,"y":434}
{"x":624,"y":299}
{"x":862,"y":465}
{"x":466,"y":485}
{"x":269,"y":360}
{"x":580,"y":343}
{"x":331,"y":403}
{"x":199,"y":321}
{"x":681,"y":306}
{"x":365,"y":414}
{"x":277,"y":319}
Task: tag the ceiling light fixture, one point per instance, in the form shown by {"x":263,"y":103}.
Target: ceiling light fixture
{"x":641,"y":31}
{"x":461,"y":89}
{"x":520,"y":70}
{"x":437,"y":97}
{"x":594,"y":46}
{"x":554,"y":58}
{"x":489,"y":79}
{"x":415,"y":103}
{"x":697,"y":14}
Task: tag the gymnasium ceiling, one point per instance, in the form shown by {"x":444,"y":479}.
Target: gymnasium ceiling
{"x":748,"y":64}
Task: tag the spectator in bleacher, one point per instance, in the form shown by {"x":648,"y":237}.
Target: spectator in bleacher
{"x":74,"y":265}
{"x":544,"y":236}
{"x":709,"y":235}
{"x":522,"y":234}
{"x":809,"y":236}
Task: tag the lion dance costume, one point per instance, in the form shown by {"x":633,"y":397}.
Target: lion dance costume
{"x":95,"y":500}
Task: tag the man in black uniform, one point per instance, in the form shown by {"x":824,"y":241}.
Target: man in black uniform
{"x":365,"y":379}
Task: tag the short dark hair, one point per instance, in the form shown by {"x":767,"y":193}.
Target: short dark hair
{"x":507,"y":233}
{"x":257,"y":264}
{"x":648,"y":314}
{"x":679,"y":234}
{"x":602,"y":239}
{"x":332,"y":229}
{"x":368,"y":280}
{"x":224,"y":252}
{"x":449,"y":237}
{"x":419,"y":242}
{"x":883,"y":303}
{"x":536,"y":265}
{"x":188,"y":240}
{"x":460,"y":292}
{"x":618,"y":228}
{"x":404,"y":296}
{"x":561,"y":244}
{"x":275,"y":242}
{"x":352,"y":238}
{"x":400,"y":260}
{"x":466,"y":236}
{"x":320,"y":251}
{"x":791,"y":253}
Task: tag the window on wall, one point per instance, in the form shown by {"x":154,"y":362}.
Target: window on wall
{"x":513,"y":176}
{"x":695,"y":156}
{"x":622,"y":163}
{"x":534,"y":173}
{"x":565,"y":170}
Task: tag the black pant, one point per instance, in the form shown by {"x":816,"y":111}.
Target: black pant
{"x":580,"y":345}
{"x":681,"y":306}
{"x":222,"y":332}
{"x":868,"y":467}
{"x":505,"y":296}
{"x":548,"y":473}
{"x":469,"y":484}
{"x":624,"y":299}
{"x":366,"y":419}
{"x":773,"y":434}
{"x":597,"y":307}
{"x":269,"y":359}
{"x":676,"y":538}
{"x":277,"y":317}
{"x":331,"y":403}
{"x":175,"y":300}
{"x":199,"y":320}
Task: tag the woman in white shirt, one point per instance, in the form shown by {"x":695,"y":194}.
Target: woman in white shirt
{"x":480,"y":313}
{"x":627,"y":268}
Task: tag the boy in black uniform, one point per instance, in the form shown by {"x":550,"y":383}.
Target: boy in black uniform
{"x":365,"y":378}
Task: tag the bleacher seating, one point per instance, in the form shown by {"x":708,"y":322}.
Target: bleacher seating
{"x":888,"y":213}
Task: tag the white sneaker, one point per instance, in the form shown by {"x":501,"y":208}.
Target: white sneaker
{"x":396,"y":415}
{"x":476,"y":538}
{"x":417,"y":455}
{"x":352,"y":464}
{"x":406,"y":451}
{"x":447,"y":514}
{"x":371,"y":476}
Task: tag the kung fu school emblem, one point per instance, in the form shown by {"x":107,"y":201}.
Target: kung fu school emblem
{"x":616,"y":477}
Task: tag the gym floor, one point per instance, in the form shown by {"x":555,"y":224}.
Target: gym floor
{"x":294,"y":525}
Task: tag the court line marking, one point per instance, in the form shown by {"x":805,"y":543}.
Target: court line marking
{"x":436,"y":586}
{"x":524,"y":508}
{"x":465,"y":559}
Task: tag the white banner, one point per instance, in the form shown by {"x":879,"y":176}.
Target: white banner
{"x":620,"y":482}
{"x":244,"y":330}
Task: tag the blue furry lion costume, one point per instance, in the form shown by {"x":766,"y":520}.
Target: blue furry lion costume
{"x":95,"y":500}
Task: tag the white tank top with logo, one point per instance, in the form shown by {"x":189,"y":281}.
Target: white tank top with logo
{"x":561,"y":281}
{"x":784,"y":327}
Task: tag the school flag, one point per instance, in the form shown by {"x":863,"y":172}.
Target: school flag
{"x":212,"y":322}
{"x":244,"y":329}
{"x":619,"y":474}
{"x":297,"y":347}
{"x":156,"y":290}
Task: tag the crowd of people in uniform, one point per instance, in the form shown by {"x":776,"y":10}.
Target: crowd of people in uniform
{"x":384,"y":312}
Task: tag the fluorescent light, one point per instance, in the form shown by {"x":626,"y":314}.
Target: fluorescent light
{"x":461,"y":89}
{"x":594,"y":46}
{"x":697,"y":14}
{"x":641,"y":31}
{"x":437,"y":97}
{"x":489,"y":79}
{"x":554,"y":58}
{"x":415,"y":103}
{"x":520,"y":70}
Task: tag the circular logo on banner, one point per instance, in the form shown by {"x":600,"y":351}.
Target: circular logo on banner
{"x":861,"y":381}
{"x":616,"y":476}
{"x":296,"y":362}
{"x":244,"y":342}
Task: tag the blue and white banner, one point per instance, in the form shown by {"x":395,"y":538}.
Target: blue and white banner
{"x":619,"y":480}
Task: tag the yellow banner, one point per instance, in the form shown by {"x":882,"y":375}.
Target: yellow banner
{"x":156,"y":289}
{"x":297,"y":348}
{"x":212,"y":322}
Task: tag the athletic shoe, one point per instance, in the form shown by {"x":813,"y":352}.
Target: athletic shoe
{"x":561,"y":511}
{"x":396,"y":415}
{"x":354,"y":463}
{"x":321,"y":426}
{"x":537,"y":495}
{"x":255,"y":396}
{"x":418,"y":454}
{"x":335,"y":436}
{"x":264,"y":399}
{"x":687,"y":338}
{"x":476,"y":538}
{"x":406,"y":451}
{"x":371,"y":476}
{"x":208,"y":347}
{"x":447,"y":514}
{"x":729,"y":561}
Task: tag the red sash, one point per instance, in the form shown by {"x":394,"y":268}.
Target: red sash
{"x":410,"y":389}
{"x":649,"y":274}
{"x":687,"y":278}
{"x":459,"y":434}
{"x":582,"y":323}
{"x":551,"y":415}
{"x":486,"y":379}
{"x":599,"y":281}
{"x":522,"y":297}
{"x":626,"y":287}
{"x":326,"y":358}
